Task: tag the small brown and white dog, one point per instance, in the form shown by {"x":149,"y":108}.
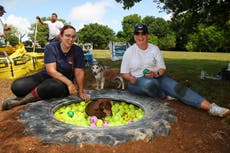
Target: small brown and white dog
{"x":102,"y":74}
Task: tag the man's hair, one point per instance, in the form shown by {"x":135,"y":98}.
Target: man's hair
{"x":55,"y":14}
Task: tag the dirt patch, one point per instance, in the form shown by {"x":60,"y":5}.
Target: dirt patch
{"x":194,"y":132}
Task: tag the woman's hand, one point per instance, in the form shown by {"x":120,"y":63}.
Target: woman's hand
{"x":132,"y":79}
{"x":152,"y":74}
{"x":84,"y":96}
{"x":72,"y":89}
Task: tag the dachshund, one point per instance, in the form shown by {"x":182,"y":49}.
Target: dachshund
{"x":99,"y":108}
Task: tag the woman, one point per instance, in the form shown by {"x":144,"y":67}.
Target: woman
{"x":154,"y":83}
{"x":64,"y":63}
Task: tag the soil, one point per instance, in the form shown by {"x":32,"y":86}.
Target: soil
{"x":193,"y":132}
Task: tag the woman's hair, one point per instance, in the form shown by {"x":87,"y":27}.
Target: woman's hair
{"x":66,"y":27}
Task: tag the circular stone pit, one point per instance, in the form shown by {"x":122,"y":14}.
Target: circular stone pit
{"x":39,"y":120}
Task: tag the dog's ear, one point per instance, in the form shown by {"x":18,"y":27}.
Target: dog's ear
{"x":100,"y":63}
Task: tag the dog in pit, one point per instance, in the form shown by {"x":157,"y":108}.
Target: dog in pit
{"x":99,"y":108}
{"x":103,"y":74}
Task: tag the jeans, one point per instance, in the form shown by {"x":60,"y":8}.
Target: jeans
{"x":162,"y":86}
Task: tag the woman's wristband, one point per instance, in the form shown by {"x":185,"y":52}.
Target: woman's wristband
{"x":158,"y":73}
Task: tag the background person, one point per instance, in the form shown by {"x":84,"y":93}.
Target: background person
{"x":2,"y":27}
{"x":54,"y":27}
{"x":143,"y":55}
{"x":64,"y":64}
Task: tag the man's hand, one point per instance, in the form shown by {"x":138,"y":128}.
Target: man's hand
{"x":7,"y":28}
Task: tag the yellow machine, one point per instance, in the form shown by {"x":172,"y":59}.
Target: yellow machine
{"x":17,"y":62}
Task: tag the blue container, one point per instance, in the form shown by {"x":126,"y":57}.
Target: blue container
{"x":89,"y":57}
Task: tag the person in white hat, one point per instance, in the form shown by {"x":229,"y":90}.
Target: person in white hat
{"x":142,"y":56}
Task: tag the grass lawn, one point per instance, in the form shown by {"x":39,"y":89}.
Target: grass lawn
{"x":185,"y":67}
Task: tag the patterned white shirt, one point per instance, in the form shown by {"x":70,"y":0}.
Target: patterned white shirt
{"x":54,"y":28}
{"x":135,"y":60}
{"x":1,"y":27}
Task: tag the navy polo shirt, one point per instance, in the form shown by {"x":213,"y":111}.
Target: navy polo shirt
{"x":64,"y":62}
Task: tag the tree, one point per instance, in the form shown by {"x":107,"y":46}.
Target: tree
{"x":128,"y":24}
{"x":183,"y":26}
{"x":167,"y":42}
{"x":28,"y":43}
{"x":97,"y":34}
{"x":128,"y":3}
{"x":206,"y":39}
{"x":11,"y":35}
{"x":188,"y":15}
{"x":157,"y":26}
{"x":213,"y":11}
{"x":13,"y":40}
{"x":160,"y":28}
{"x":226,"y":45}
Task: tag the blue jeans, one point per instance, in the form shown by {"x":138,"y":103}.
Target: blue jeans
{"x":162,"y":86}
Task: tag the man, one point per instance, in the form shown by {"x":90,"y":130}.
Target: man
{"x":144,"y":68}
{"x":54,"y":27}
{"x":2,"y":28}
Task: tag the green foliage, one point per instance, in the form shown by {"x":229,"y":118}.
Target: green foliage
{"x":182,"y":26}
{"x":196,"y":25}
{"x":97,"y":34}
{"x":120,"y":36}
{"x":153,"y":39}
{"x":128,"y":24}
{"x":13,"y":40}
{"x":210,"y":11}
{"x":166,"y":38}
{"x":206,"y":39}
{"x":226,"y":43}
{"x":11,"y":35}
{"x":159,"y":27}
{"x":28,"y":43}
{"x":42,"y":33}
{"x":128,"y":3}
{"x":167,"y":42}
{"x":187,"y":15}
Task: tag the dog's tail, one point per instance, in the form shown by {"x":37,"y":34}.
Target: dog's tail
{"x":119,"y":80}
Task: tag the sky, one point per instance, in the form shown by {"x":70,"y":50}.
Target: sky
{"x":22,"y":13}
